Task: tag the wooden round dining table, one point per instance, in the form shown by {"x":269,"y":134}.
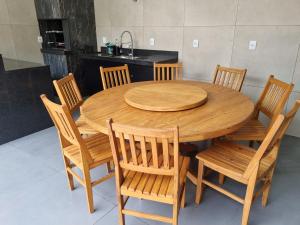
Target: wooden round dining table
{"x":224,"y":111}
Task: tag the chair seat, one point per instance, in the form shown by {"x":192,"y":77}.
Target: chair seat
{"x":253,"y":130}
{"x":232,"y":160}
{"x":98,"y":146}
{"x":83,"y":127}
{"x":153,"y":187}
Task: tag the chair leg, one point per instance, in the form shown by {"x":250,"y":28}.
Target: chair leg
{"x":221,"y":178}
{"x":251,"y":144}
{"x":120,"y":208}
{"x":199,"y":187}
{"x":182,"y":203}
{"x":112,"y":165}
{"x":175,"y":213}
{"x":249,"y":198}
{"x":108,"y":167}
{"x":266,"y":192}
{"x":88,"y":190}
{"x":70,"y":176}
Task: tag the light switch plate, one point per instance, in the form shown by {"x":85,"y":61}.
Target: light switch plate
{"x":40,"y":39}
{"x":104,"y":40}
{"x":195,"y":43}
{"x":252,"y":45}
{"x":151,"y":41}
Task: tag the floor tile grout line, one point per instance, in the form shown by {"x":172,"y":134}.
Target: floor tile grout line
{"x":101,"y":217}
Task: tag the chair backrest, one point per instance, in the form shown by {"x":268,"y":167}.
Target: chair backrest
{"x":287,"y":120}
{"x":273,"y":98}
{"x":229,"y":77}
{"x":270,"y":144}
{"x":68,"y":92}
{"x":114,"y":76}
{"x":170,"y":71}
{"x":160,"y":157}
{"x":63,"y":121}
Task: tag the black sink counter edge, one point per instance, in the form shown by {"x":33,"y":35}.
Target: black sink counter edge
{"x":8,"y":65}
{"x":146,"y":57}
{"x":56,"y":51}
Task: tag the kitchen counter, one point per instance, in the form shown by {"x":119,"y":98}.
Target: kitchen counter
{"x":141,"y":57}
{"x":21,"y":109}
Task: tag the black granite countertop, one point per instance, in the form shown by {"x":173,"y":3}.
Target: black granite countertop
{"x":13,"y":64}
{"x":141,"y":56}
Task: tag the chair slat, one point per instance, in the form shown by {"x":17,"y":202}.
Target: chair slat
{"x":166,"y":153}
{"x":154,"y":152}
{"x":144,"y":151}
{"x":120,"y":78}
{"x":123,"y":148}
{"x":116,"y":78}
{"x":111,"y":79}
{"x":133,"y":149}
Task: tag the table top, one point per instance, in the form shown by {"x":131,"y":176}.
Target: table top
{"x":163,"y":97}
{"x":224,"y":112}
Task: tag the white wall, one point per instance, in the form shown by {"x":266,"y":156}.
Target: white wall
{"x":19,"y":30}
{"x":223,"y":28}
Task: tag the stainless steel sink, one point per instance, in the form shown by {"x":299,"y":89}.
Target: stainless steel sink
{"x":127,"y":57}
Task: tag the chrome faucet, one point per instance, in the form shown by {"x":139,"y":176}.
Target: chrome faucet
{"x":131,"y":42}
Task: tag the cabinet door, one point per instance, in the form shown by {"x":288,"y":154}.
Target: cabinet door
{"x":90,"y":74}
{"x":140,"y":72}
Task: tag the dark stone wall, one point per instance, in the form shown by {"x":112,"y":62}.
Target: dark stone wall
{"x":48,"y":9}
{"x":80,"y":20}
{"x":58,"y":64}
{"x":82,"y":27}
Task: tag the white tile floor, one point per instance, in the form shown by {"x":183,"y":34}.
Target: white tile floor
{"x":34,"y":190}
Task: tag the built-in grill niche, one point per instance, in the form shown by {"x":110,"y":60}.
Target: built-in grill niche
{"x":68,"y":29}
{"x":55,"y":33}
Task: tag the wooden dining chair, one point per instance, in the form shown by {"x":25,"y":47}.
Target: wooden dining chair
{"x":229,"y":77}
{"x":244,"y":164}
{"x":271,"y":104}
{"x":114,"y":76}
{"x":69,"y":95}
{"x":168,"y":71}
{"x":85,"y":154}
{"x":155,"y":174}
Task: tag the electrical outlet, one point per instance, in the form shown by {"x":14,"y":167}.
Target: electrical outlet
{"x":40,"y":39}
{"x":195,"y":43}
{"x":104,"y":40}
{"x":252,"y":45}
{"x":151,"y":41}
